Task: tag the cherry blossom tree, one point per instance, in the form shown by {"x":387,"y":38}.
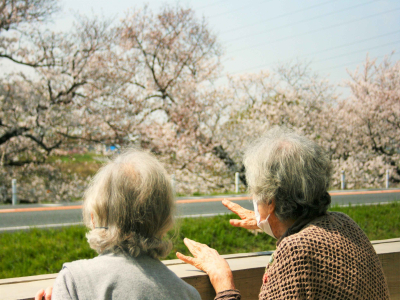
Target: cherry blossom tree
{"x":13,"y":13}
{"x":372,"y":124}
{"x":360,"y":133}
{"x":291,"y":96}
{"x":167,"y":102}
{"x":148,"y":80}
{"x":121,"y":85}
{"x":41,"y":105}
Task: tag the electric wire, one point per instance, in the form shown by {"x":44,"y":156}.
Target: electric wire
{"x":350,"y":44}
{"x":316,"y":30}
{"x":236,"y":9}
{"x":280,"y":16}
{"x":213,"y":4}
{"x":302,"y":21}
{"x":354,"y":62}
{"x":355,"y":52}
{"x":348,"y":64}
{"x":325,"y":50}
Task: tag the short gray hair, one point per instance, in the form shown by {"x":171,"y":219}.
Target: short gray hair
{"x":291,"y":169}
{"x":131,"y":198}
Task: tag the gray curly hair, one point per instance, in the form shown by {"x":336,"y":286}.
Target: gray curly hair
{"x":294,"y":171}
{"x":131,"y":202}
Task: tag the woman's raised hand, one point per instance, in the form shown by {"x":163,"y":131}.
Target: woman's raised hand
{"x":248,"y":218}
{"x":209,"y":261}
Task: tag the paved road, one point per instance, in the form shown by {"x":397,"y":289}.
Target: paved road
{"x":23,"y":216}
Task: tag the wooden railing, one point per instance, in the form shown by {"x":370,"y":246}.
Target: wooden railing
{"x":247,"y":268}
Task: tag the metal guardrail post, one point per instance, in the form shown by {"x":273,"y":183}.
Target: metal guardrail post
{"x":14,"y":192}
{"x":343,"y":180}
{"x":237,"y":182}
{"x":387,"y":178}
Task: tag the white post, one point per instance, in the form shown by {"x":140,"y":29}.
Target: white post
{"x":237,"y":182}
{"x":343,"y":180}
{"x":173,"y":183}
{"x":14,"y":192}
{"x":387,"y":178}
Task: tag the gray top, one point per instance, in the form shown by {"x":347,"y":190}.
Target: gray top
{"x":117,"y":276}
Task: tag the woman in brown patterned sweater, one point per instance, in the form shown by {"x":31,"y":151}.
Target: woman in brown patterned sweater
{"x":319,"y":254}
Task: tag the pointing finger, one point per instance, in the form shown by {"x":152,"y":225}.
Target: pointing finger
{"x":193,"y":246}
{"x":191,"y":261}
{"x":236,"y":208}
{"x":247,"y":224}
{"x":236,"y":223}
{"x":186,"y":259}
{"x":194,"y":243}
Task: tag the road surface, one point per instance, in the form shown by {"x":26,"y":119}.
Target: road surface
{"x":22,"y":217}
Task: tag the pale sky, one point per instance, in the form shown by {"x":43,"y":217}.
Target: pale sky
{"x":258,"y":34}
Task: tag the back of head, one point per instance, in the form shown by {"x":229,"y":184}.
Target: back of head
{"x":291,"y":169}
{"x":131,"y":202}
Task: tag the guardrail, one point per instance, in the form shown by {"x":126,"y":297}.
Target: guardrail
{"x":247,"y":268}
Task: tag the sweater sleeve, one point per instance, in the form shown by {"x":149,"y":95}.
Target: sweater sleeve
{"x":64,"y":286}
{"x":228,"y":295}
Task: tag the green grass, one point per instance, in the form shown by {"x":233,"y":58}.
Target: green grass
{"x":195,"y":194}
{"x":217,"y":233}
{"x":37,"y":251}
{"x":87,"y":157}
{"x":81,"y":164}
{"x":379,"y":222}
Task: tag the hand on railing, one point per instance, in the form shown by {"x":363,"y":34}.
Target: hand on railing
{"x":248,"y":218}
{"x":42,"y":294}
{"x":208,"y":260}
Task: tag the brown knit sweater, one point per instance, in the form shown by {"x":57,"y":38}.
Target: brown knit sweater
{"x":331,"y":258}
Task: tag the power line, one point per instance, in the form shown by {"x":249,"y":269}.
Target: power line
{"x":213,"y":4}
{"x":317,"y":30}
{"x":280,"y":16}
{"x":358,"y":51}
{"x":353,"y":63}
{"x":302,"y":21}
{"x":350,"y":44}
{"x":341,"y":46}
{"x":335,"y":67}
{"x":237,"y":9}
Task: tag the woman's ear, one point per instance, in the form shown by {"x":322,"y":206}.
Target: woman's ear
{"x":271,"y":206}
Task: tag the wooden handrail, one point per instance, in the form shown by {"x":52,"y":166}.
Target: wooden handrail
{"x":247,"y":268}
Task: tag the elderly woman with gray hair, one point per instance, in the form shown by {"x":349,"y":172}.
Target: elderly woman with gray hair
{"x":319,"y":254}
{"x":128,"y":208}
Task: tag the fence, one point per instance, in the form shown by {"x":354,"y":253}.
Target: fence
{"x":344,"y":184}
{"x":247,"y":269}
{"x":364,"y":181}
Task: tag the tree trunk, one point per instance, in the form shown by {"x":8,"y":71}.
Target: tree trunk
{"x":220,"y":152}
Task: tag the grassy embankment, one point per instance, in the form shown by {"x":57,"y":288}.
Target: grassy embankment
{"x":82,"y":164}
{"x":44,"y":251}
{"x":87,"y":164}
